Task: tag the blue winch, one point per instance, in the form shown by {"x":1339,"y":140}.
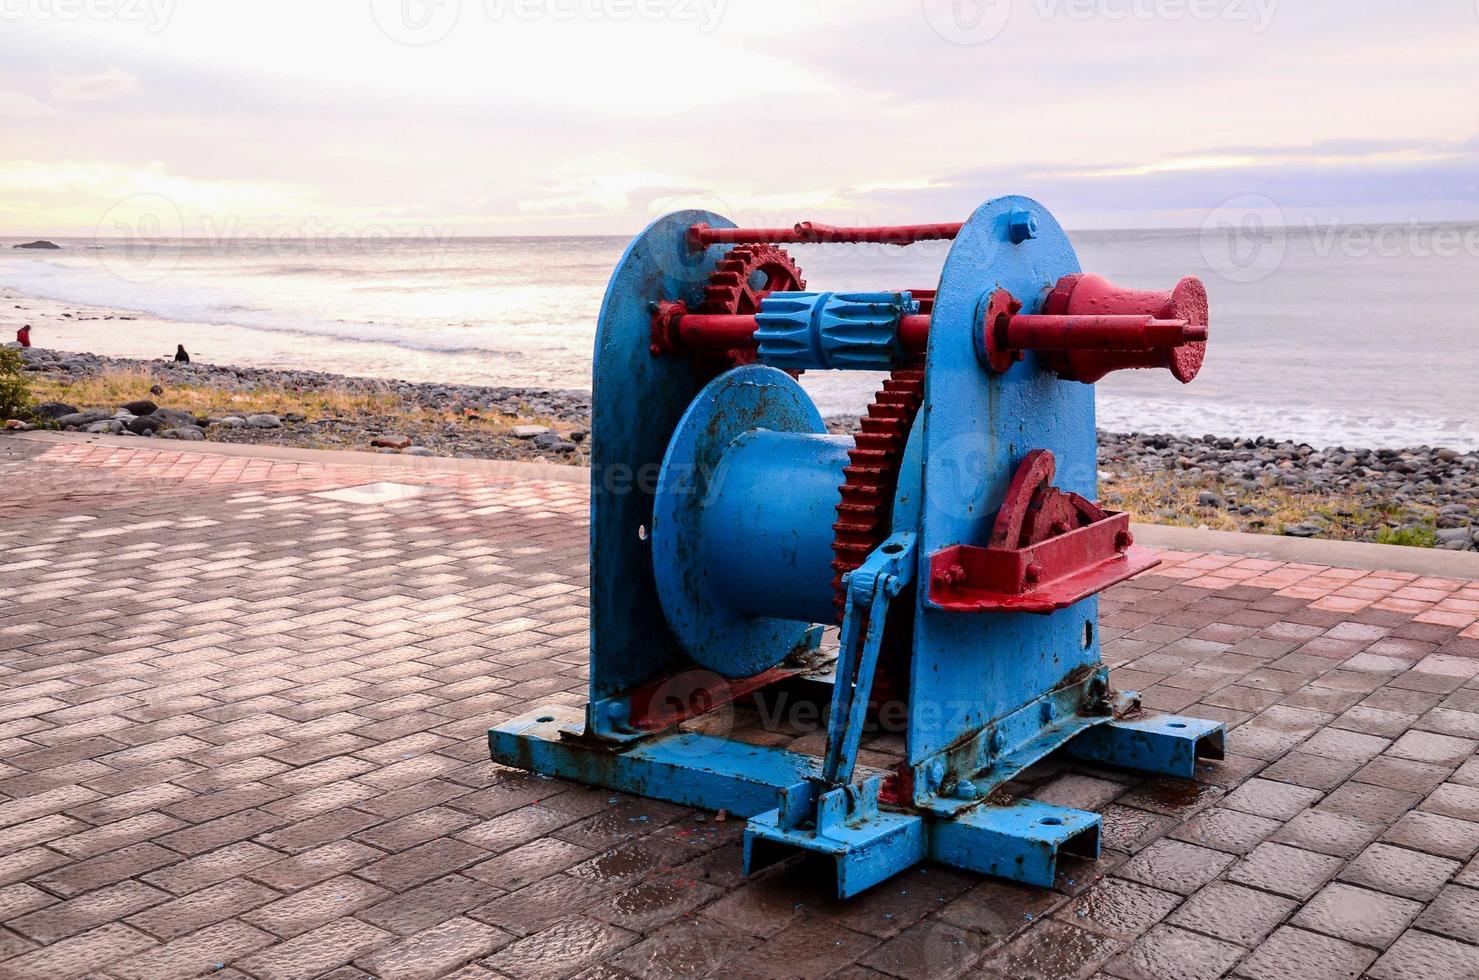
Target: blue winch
{"x":955,"y":538}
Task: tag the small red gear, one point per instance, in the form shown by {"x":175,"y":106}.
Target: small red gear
{"x":740,"y":280}
{"x":871,"y":478}
{"x":744,"y":277}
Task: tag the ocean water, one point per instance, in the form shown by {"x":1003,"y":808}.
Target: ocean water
{"x":1343,"y":340}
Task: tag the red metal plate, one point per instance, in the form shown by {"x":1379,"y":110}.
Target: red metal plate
{"x":1050,"y":575}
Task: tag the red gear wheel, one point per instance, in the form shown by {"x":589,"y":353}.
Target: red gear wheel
{"x":871,"y":479}
{"x":734,"y":287}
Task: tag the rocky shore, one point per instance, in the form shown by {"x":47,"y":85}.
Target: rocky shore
{"x":418,"y":419}
{"x":1425,"y":496}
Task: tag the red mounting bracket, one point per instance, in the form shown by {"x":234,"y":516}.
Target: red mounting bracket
{"x":1048,"y":550}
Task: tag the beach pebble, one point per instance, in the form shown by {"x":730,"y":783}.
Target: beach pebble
{"x":1301,"y":530}
{"x":229,"y":422}
{"x":110,"y":427}
{"x":264,"y":420}
{"x":391,"y":442}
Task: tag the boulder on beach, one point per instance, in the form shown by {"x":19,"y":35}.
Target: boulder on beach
{"x":146,"y":424}
{"x":142,"y":406}
{"x":390,"y":442}
{"x":189,"y":433}
{"x":264,"y":420}
{"x":81,"y":419}
{"x":54,"y":410}
{"x":174,"y":418}
{"x":37,"y":244}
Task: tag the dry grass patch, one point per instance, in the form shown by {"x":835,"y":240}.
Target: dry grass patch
{"x":115,"y":386}
{"x":1163,"y":499}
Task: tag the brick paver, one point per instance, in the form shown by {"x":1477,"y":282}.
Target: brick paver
{"x":243,"y":730}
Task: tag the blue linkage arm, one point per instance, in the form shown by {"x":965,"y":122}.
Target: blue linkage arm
{"x":870,"y":588}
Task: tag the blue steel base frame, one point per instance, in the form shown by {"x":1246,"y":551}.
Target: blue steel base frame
{"x":791,"y":811}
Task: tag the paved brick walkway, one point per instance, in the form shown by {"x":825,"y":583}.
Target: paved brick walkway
{"x":243,"y":705}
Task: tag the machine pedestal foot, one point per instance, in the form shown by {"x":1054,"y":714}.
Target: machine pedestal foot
{"x":1168,"y":744}
{"x":1020,"y":841}
{"x":681,"y":767}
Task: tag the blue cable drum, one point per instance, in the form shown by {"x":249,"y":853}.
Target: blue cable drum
{"x":742,"y":522}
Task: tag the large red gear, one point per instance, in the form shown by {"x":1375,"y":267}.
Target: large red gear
{"x":871,"y":478}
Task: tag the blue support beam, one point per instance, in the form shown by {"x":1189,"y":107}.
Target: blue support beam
{"x":1020,"y":841}
{"x":1168,"y":744}
{"x":683,"y":767}
{"x":865,"y":844}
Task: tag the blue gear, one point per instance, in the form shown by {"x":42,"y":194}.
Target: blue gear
{"x":810,"y":331}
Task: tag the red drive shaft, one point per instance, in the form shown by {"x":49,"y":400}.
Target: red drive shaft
{"x":713,"y":332}
{"x":1108,"y":331}
{"x":1088,"y":327}
{"x":1094,"y":332}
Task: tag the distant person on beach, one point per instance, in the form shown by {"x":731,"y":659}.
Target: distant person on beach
{"x":182,"y":356}
{"x":23,"y":336}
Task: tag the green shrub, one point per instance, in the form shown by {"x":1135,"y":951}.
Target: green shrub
{"x":1410,"y":537}
{"x":15,"y":387}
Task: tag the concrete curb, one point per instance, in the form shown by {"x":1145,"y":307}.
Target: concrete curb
{"x":1313,"y":551}
{"x":493,"y":468}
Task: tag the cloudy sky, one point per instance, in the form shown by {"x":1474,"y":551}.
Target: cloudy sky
{"x":591,"y":116}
